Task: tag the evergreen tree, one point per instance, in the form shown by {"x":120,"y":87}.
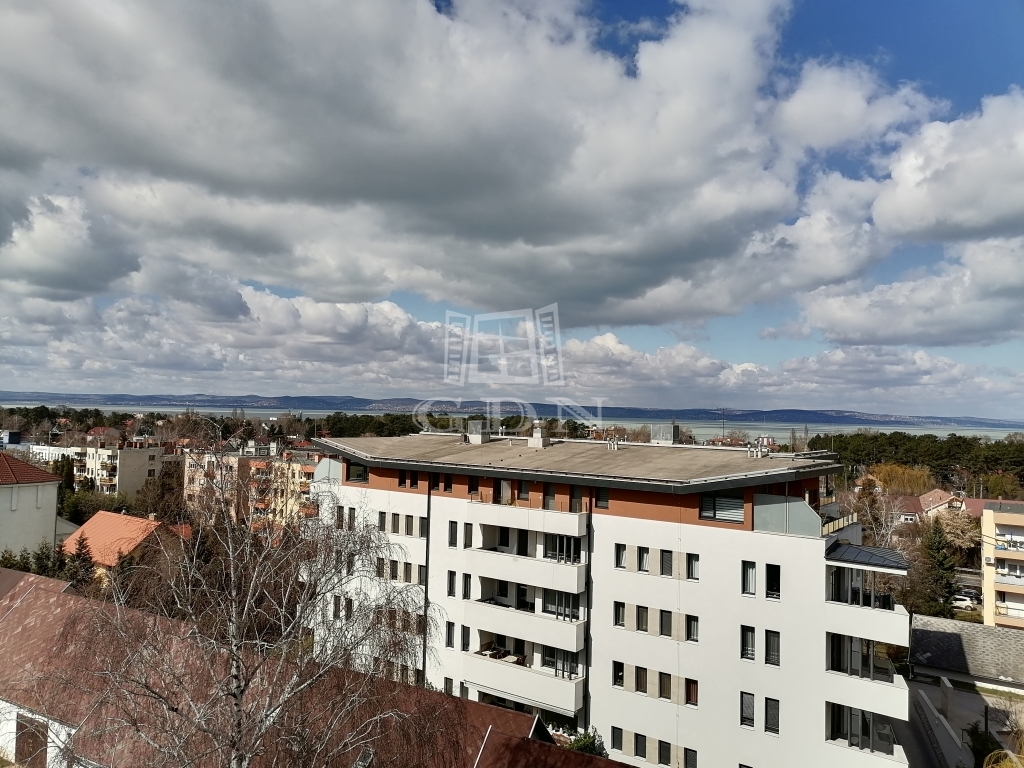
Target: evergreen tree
{"x":937,"y":578}
{"x":589,"y":742}
{"x":80,"y":569}
{"x":8,"y":559}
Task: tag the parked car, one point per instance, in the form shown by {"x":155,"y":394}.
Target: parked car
{"x":970,"y":593}
{"x":962,"y":603}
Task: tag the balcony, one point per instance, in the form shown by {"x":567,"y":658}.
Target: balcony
{"x":524,"y":517}
{"x":891,"y":627}
{"x":538,"y":571}
{"x":532,"y":686}
{"x":540,"y":628}
{"x":886,"y":698}
{"x":1013,"y":578}
{"x":108,"y":481}
{"x":108,"y":466}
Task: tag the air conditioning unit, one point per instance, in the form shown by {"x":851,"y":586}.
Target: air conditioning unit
{"x":990,"y":561}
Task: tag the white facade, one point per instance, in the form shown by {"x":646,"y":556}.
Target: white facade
{"x":122,"y":470}
{"x":544,"y":585}
{"x":57,"y":737}
{"x":28,"y":514}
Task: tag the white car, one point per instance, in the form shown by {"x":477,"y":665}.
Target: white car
{"x":962,"y":603}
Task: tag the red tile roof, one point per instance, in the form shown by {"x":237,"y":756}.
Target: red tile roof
{"x":111,"y":535}
{"x":17,"y":472}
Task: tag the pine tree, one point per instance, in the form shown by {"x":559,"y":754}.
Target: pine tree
{"x":938,"y":572}
{"x":80,"y":570}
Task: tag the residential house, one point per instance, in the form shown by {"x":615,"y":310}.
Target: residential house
{"x":28,"y":504}
{"x":122,"y":467}
{"x":110,"y":536}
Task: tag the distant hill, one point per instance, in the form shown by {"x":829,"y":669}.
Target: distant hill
{"x":202,"y":402}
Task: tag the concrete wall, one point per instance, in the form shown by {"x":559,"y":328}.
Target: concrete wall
{"x":949,"y":742}
{"x":134,"y":466}
{"x":28,"y":514}
{"x":58,"y":735}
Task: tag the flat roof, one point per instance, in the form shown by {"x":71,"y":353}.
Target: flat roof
{"x":632,"y":465}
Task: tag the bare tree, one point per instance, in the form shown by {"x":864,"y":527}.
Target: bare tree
{"x":882,"y":518}
{"x":245,"y":643}
{"x":962,"y":530}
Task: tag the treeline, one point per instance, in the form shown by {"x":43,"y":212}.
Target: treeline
{"x":29,"y":419}
{"x":977,"y":465}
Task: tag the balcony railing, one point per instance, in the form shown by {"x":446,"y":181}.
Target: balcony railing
{"x":486,"y":496}
{"x":1002,"y":609}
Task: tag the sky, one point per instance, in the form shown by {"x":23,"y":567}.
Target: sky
{"x":735,"y":203}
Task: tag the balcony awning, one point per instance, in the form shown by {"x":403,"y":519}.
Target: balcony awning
{"x":868,"y":558}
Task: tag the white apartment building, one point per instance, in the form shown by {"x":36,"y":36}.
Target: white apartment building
{"x":1002,"y":550}
{"x":683,"y":600}
{"x":120,"y":468}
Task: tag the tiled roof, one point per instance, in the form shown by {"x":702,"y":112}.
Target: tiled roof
{"x":935,"y":498}
{"x":855,"y":554}
{"x":995,"y":653}
{"x":111,"y":535}
{"x":911,"y":504}
{"x":17,"y":472}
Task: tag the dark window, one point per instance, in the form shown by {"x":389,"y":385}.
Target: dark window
{"x":339,"y":517}
{"x":394,"y":569}
{"x":382,"y":521}
{"x":380,"y":567}
{"x":395,"y":521}
{"x":350,"y":563}
{"x":407,"y":573}
{"x":463,"y":691}
{"x":692,"y":628}
{"x":664,"y":685}
{"x":351,"y":518}
{"x":523,"y":543}
{"x":467,"y":536}
{"x":665,"y":623}
{"x":620,"y":555}
{"x":447,"y":483}
{"x":449,"y":634}
{"x":771,"y":715}
{"x":421,"y":574}
{"x":549,"y":495}
{"x":467,"y":586}
{"x":726,"y":506}
{"x":640,"y":678}
{"x":772,"y":647}
{"x":435,"y":481}
{"x":666,"y":562}
{"x":337,"y":607}
{"x":563,"y":605}
{"x":640,"y":745}
{"x":691,"y":692}
{"x":451,"y":583}
{"x":664,"y":753}
{"x":773,"y":581}
{"x":502,"y":588}
{"x":453,"y":534}
{"x":414,"y":479}
{"x":643,"y":556}
{"x":689,"y":758}
{"x":601,"y":500}
{"x":474,"y":484}
{"x":618,"y":674}
{"x":357,"y":473}
{"x":692,"y":566}
{"x":449,"y":685}
{"x":503,"y":539}
{"x":747,"y":709}
{"x":401,"y":478}
{"x":465,"y":638}
{"x":619,"y":612}
{"x":523,"y":490}
{"x":746,"y":642}
{"x":348,"y":608}
{"x":424,"y":527}
{"x":575,"y":498}
{"x":564,"y":549}
{"x":749,"y":577}
{"x":616,"y":738}
{"x":641,"y":618}
{"x":408,"y":525}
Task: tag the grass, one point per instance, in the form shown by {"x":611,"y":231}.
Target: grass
{"x":974,"y":617}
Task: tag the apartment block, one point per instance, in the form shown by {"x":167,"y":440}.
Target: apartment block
{"x":1002,"y":551}
{"x":683,"y":600}
{"x":121,"y":467}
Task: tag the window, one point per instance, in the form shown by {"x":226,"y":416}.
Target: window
{"x":749,"y":576}
{"x":394,"y":569}
{"x":601,"y":500}
{"x":449,"y":685}
{"x":773,"y":581}
{"x":564,"y":549}
{"x":424,"y":527}
{"x":691,"y":689}
{"x":435,"y":481}
{"x":414,"y":479}
{"x":503,"y":536}
{"x":357,"y":473}
{"x":151,"y":473}
{"x":467,"y":586}
{"x":474,"y":485}
{"x":726,"y":506}
{"x":664,"y":685}
{"x":502,"y":588}
{"x":664,"y":753}
{"x":447,"y":483}
{"x":382,"y":521}
{"x":620,"y":555}
{"x":465,"y":637}
{"x":152,"y":457}
{"x":463,"y":691}
{"x":408,"y":525}
{"x":747,"y":709}
{"x":563,"y":605}
{"x":641,"y":618}
{"x":350,"y":563}
{"x":689,"y":758}
{"x":449,"y":634}
{"x":692,"y":566}
{"x":772,"y":642}
{"x":666,"y":562}
{"x":643,"y":556}
{"x":549,"y":495}
{"x":665,"y":623}
{"x":523,"y":490}
{"x":351,"y":518}
{"x":380,"y":567}
{"x":395,"y":518}
{"x":337,"y":607}
{"x":451,"y":583}
{"x":619,"y":614}
{"x":407,"y":573}
{"x":467,"y":535}
{"x":618,"y":674}
{"x":401,"y":478}
{"x":692,"y":628}
{"x":616,"y":738}
{"x":348,"y":609}
{"x":453,"y":534}
{"x":746,"y":642}
{"x":771,"y":715}
{"x":640,"y":745}
{"x":640,"y":679}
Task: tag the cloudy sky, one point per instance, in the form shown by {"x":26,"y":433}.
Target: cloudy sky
{"x":745,"y":203}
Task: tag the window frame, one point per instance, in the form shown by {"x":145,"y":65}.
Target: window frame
{"x":748,"y":722}
{"x":357,"y":473}
{"x":769,"y":705}
{"x":662,"y":617}
{"x":692,"y":566}
{"x":692,"y":623}
{"x":620,"y":557}
{"x":465,"y":638}
{"x":769,"y":592}
{"x":453,"y":533}
{"x":642,"y":612}
{"x":748,"y":578}
{"x":618,"y":674}
{"x":467,"y":535}
{"x":691,"y":692}
{"x":452,"y":576}
{"x":618,"y":613}
{"x":616,"y":738}
{"x":664,"y":753}
{"x":467,"y":586}
{"x":640,"y":745}
{"x":643,"y":559}
{"x":665,"y":685}
{"x":748,"y":643}
{"x":640,"y":679}
{"x":449,"y":634}
{"x":770,"y":658}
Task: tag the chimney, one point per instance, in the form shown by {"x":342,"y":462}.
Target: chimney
{"x":539,"y":439}
{"x":479,"y":432}
{"x":152,"y":516}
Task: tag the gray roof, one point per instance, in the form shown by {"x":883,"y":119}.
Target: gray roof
{"x":995,"y":653}
{"x":867,"y":557}
{"x":696,"y":468}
